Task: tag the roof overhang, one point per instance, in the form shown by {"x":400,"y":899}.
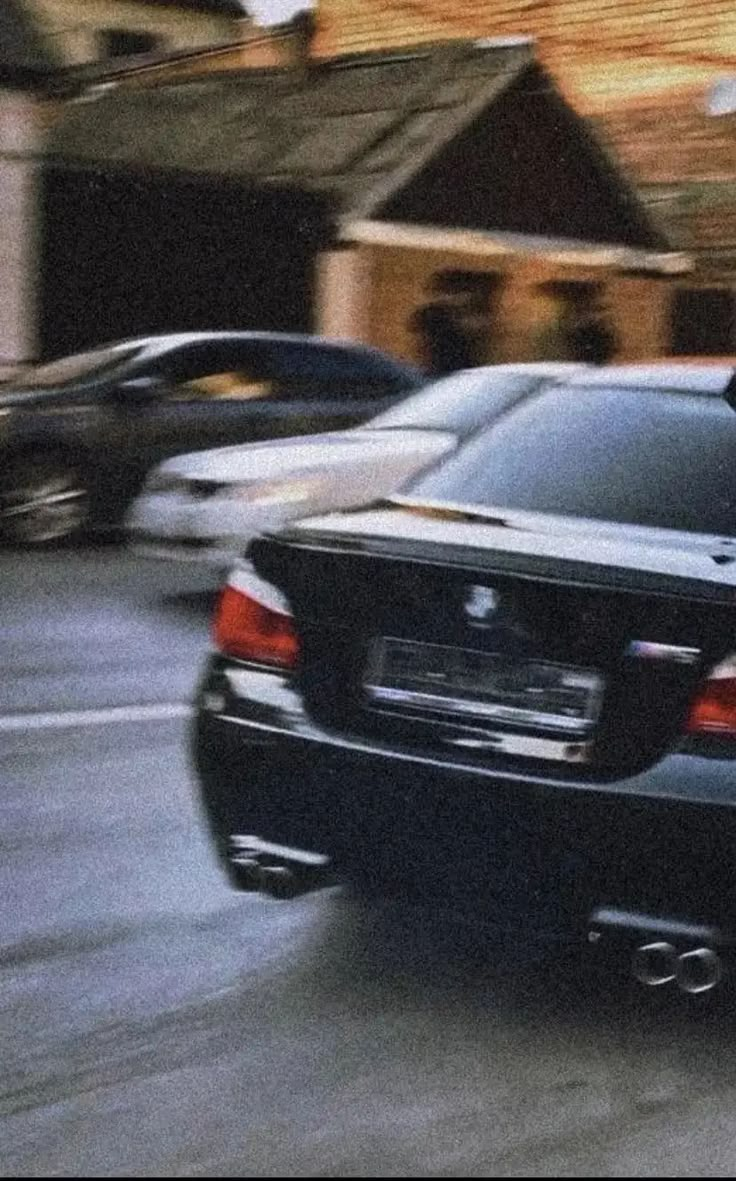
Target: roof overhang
{"x":564,"y":252}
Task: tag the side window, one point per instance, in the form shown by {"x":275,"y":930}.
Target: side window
{"x":230,"y":385}
{"x":205,"y":374}
{"x":298,"y":387}
{"x":362,"y":385}
{"x":283,"y":374}
{"x":325,"y":375}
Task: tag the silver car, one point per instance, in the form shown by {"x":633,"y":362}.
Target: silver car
{"x":206,"y":506}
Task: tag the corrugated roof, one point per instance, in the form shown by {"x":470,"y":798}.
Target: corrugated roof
{"x":357,"y":129}
{"x":352,"y":127}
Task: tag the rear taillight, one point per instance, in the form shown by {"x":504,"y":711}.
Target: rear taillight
{"x":252,"y":622}
{"x":714,"y":709}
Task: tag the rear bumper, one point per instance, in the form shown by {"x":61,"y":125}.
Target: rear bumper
{"x":661,"y":842}
{"x":190,"y":549}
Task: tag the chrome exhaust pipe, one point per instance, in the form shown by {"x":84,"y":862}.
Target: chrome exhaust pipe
{"x":654,"y":964}
{"x":276,"y":881}
{"x":694,"y":972}
{"x":699,"y":970}
{"x":277,"y":871}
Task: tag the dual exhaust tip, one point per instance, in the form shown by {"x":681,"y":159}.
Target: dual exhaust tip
{"x":278,"y":871}
{"x":275,"y":881}
{"x":695,"y":971}
{"x":284,"y":872}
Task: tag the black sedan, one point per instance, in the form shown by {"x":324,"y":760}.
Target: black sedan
{"x":513,"y":685}
{"x":79,"y":434}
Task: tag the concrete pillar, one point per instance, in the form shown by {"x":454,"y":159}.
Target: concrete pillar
{"x":640,"y":312}
{"x":343,"y":292}
{"x":20,"y":170}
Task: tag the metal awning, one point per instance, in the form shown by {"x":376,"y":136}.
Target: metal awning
{"x":563,"y":251}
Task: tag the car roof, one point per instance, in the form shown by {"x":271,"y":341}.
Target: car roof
{"x":161,"y":342}
{"x":531,"y":368}
{"x":174,"y":339}
{"x":702,"y":375}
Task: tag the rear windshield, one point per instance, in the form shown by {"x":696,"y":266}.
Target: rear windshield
{"x":460,"y":404}
{"x":642,"y":457}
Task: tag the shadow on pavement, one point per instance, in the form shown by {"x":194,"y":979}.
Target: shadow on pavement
{"x":190,"y":602}
{"x":392,"y":948}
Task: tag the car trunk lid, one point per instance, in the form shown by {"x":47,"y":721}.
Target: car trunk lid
{"x":523,"y":639}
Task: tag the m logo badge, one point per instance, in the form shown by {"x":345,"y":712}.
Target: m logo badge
{"x":481,"y":602}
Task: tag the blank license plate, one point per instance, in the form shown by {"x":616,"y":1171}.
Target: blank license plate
{"x":486,"y":685}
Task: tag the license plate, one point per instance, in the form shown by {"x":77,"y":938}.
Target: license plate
{"x":438,"y":678}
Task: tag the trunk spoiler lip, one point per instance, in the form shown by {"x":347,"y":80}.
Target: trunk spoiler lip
{"x":722,"y":550}
{"x":715,"y":585}
{"x":579,"y":575}
{"x":523,"y":520}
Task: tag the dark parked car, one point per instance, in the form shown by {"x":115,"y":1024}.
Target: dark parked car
{"x":513,"y":684}
{"x":79,"y":434}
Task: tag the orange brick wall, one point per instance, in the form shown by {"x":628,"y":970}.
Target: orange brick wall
{"x":602,"y":51}
{"x":638,"y":308}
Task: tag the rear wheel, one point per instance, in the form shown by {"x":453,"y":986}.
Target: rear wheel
{"x":43,"y":499}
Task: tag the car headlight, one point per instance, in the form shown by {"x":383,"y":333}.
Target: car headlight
{"x":293,"y":491}
{"x":163,"y":481}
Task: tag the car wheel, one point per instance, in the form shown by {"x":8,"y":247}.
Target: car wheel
{"x":44,"y":499}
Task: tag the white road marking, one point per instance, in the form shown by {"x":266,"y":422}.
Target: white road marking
{"x":70,"y":719}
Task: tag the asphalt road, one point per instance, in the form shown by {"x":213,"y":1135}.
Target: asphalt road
{"x":153,"y":1023}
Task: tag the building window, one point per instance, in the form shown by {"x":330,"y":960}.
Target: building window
{"x":115,"y":43}
{"x":703,"y":321}
{"x":455,"y":327}
{"x":572,"y":323}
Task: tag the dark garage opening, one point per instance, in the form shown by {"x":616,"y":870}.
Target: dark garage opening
{"x":127,"y":253}
{"x":527,"y":165}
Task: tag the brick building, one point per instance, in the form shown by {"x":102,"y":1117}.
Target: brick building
{"x":340,"y":194}
{"x":602,"y":52}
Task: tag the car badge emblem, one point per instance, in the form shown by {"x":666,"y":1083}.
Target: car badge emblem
{"x":481,"y":603}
